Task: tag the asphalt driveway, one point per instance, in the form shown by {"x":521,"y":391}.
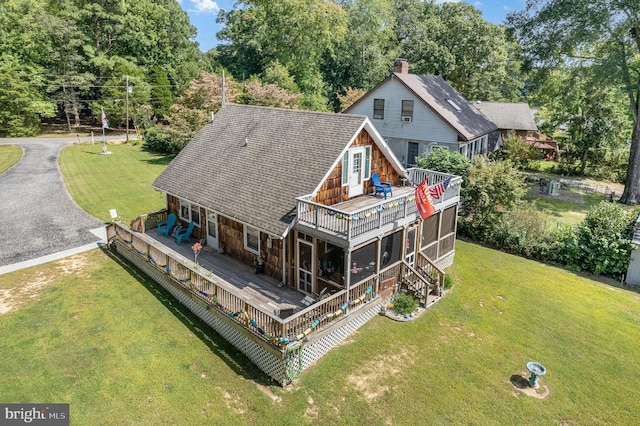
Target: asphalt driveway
{"x":37,"y":215}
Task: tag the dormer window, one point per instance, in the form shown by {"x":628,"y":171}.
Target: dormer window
{"x":454,"y":105}
{"x":378,"y":109}
{"x":407,"y":111}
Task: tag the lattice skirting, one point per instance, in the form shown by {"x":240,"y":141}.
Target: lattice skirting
{"x":282,"y":368}
{"x":446,"y":261}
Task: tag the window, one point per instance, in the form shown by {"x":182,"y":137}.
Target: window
{"x":252,"y":239}
{"x":378,"y":109}
{"x":190,"y":212}
{"x":412,"y":153}
{"x":345,"y":168}
{"x":367,"y":162}
{"x":407,"y":110}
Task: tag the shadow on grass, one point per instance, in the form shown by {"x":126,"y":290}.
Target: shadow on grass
{"x":519,"y":381}
{"x":235,"y":359}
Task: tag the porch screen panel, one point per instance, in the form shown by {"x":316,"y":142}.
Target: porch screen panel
{"x":448,"y":221}
{"x":391,"y":249}
{"x":429,"y":230}
{"x":363,"y":262}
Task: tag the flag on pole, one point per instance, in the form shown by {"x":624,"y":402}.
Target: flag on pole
{"x":423,"y":200}
{"x":438,"y":189}
{"x":105,"y":125}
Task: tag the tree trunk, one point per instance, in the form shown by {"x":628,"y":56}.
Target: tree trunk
{"x":631,"y":194}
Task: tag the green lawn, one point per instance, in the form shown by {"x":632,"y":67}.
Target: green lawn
{"x":120,"y":350}
{"x":9,"y":155}
{"x":121,"y":180}
{"x":569,"y":209}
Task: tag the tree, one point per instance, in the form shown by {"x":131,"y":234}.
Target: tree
{"x":603,"y":33}
{"x":21,"y":104}
{"x":518,"y":151}
{"x":272,"y":95}
{"x":492,"y":188}
{"x":297,"y":34}
{"x":445,"y":161}
{"x":350,"y":96}
{"x":366,"y":54}
{"x":161,"y":97}
{"x":453,"y":41}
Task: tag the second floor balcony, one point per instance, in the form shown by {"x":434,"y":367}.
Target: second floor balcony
{"x":357,"y":218}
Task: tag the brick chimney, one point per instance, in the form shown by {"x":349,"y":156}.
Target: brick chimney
{"x":401,"y":66}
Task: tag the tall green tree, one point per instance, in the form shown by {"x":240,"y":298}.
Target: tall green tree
{"x":161,"y":96}
{"x":607,"y":34}
{"x":297,"y":34}
{"x":453,"y":41}
{"x":366,"y":54}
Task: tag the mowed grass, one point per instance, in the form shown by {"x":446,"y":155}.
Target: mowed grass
{"x":9,"y":155}
{"x":121,"y":180}
{"x":99,"y":335}
{"x":570,"y":208}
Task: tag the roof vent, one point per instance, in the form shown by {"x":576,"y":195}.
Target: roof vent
{"x":246,"y":142}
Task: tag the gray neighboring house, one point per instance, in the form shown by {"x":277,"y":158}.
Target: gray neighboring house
{"x":513,"y":120}
{"x":417,"y":113}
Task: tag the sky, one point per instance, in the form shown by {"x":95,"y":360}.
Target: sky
{"x":203,"y":13}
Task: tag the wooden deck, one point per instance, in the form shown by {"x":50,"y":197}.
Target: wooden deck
{"x":356,"y":204}
{"x":261,"y":290}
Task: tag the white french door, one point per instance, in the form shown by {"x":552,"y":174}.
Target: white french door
{"x":356,"y":172}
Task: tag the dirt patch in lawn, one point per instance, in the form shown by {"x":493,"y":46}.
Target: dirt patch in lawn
{"x":23,"y":291}
{"x":373,"y":379}
{"x":521,"y":384}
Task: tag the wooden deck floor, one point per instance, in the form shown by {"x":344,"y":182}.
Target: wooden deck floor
{"x":259,"y":289}
{"x":369,"y":200}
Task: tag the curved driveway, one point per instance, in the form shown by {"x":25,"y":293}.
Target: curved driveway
{"x":37,"y":215}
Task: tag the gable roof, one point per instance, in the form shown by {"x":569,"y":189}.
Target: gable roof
{"x":252,"y":162}
{"x":435,"y":93}
{"x":509,"y":116}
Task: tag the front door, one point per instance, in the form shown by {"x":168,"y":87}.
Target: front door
{"x":212,"y":230}
{"x":305,"y":266}
{"x":356,"y":172}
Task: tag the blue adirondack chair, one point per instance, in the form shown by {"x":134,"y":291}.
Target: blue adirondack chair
{"x":184,"y":234}
{"x":381,"y":187}
{"x":166,"y":226}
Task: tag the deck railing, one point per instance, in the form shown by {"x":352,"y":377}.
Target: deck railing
{"x":350,"y":224}
{"x":206,"y":286}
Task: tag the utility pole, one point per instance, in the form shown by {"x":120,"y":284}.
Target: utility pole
{"x":127,"y":99}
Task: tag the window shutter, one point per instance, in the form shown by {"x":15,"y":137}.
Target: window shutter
{"x":345,"y":168}
{"x":367,"y":162}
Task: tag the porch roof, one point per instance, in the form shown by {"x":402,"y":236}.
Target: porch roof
{"x":251,"y":162}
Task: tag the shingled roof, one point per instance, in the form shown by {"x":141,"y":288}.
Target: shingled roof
{"x":251,"y":162}
{"x":509,"y":116}
{"x":436,"y":93}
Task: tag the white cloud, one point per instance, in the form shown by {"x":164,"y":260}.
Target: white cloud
{"x":205,"y":6}
{"x":477,"y":4}
{"x":446,"y":1}
{"x":507,"y":8}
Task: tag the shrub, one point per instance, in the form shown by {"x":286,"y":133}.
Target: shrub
{"x":604,"y":239}
{"x":404,"y":304}
{"x":445,"y":161}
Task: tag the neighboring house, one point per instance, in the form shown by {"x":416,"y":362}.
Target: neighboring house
{"x":516,"y":120}
{"x":418,"y":113}
{"x":512,"y":119}
{"x":291,"y":194}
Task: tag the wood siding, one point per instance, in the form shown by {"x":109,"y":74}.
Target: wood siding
{"x":332,"y":191}
{"x":231,"y":238}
